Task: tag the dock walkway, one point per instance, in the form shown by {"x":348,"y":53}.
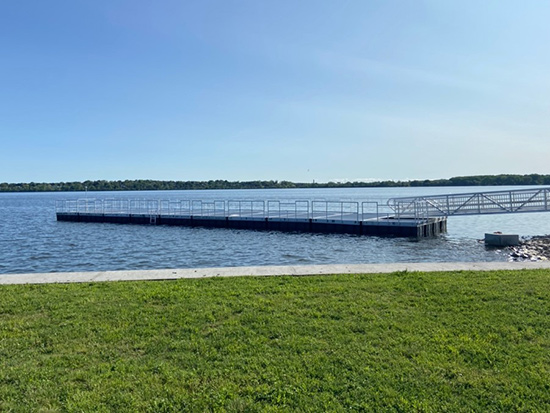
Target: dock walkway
{"x":475,"y":203}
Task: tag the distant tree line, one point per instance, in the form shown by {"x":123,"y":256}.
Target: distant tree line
{"x":153,"y":185}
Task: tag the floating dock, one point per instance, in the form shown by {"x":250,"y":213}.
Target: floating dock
{"x":360,"y":218}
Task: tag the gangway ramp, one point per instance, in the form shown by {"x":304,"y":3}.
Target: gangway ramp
{"x":474,"y":203}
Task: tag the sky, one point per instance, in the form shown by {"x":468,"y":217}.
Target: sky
{"x":273,"y":90}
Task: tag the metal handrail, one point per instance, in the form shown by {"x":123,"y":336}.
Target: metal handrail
{"x":477,"y":203}
{"x":342,"y":211}
{"x":407,"y":208}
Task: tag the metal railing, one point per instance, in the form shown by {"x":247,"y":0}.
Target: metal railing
{"x":410,"y":208}
{"x":318,"y":210}
{"x":478,"y":203}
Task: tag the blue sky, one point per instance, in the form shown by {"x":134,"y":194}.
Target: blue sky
{"x":284,"y":90}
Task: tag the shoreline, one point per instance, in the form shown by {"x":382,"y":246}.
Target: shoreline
{"x":262,"y":271}
{"x":535,"y":248}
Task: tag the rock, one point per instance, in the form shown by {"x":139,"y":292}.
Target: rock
{"x":534,"y":249}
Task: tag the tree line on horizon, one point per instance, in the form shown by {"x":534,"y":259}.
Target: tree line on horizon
{"x":156,"y":185}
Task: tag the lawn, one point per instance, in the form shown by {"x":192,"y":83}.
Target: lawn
{"x":457,"y":341}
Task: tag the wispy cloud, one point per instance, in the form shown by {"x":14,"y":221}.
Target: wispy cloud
{"x":360,"y":66}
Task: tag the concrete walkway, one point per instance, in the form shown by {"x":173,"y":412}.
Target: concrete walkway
{"x":174,"y":274}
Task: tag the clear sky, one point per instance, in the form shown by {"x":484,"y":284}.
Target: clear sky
{"x":284,"y":89}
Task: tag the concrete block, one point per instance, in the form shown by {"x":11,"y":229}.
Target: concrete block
{"x":498,"y":239}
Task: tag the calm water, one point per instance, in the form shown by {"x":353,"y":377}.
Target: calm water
{"x":31,"y":240}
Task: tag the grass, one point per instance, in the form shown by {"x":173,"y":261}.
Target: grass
{"x":462,"y":341}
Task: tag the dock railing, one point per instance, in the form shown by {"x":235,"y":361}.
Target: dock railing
{"x":478,"y":203}
{"x":317,"y":210}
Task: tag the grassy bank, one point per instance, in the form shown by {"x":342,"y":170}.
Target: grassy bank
{"x":464,"y":341}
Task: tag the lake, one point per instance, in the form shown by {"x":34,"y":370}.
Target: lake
{"x":31,"y":240}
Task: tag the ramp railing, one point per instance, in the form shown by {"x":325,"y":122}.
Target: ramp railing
{"x":476,"y":203}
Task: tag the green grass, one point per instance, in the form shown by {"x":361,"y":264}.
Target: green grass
{"x":462,"y":341}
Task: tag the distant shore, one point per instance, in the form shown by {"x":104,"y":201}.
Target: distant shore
{"x":157,"y":185}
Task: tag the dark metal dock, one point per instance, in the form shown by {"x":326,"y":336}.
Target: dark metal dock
{"x":361,"y":218}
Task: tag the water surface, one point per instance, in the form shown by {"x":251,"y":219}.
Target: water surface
{"x":31,"y":240}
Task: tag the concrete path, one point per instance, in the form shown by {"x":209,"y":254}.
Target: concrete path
{"x":174,"y":274}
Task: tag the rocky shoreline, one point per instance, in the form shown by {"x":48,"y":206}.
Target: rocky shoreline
{"x":531,"y":249}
